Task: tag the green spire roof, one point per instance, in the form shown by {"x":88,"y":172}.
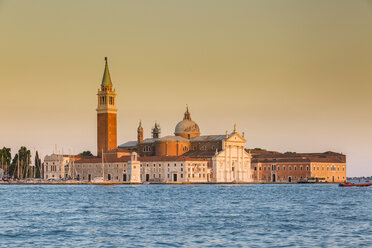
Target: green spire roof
{"x":106,"y":80}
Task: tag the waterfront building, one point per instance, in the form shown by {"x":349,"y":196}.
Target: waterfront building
{"x":149,"y":169}
{"x":56,"y":166}
{"x":298,"y":167}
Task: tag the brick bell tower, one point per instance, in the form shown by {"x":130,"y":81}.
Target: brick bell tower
{"x":106,"y":115}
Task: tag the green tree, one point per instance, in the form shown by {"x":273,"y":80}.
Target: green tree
{"x":289,"y":153}
{"x":86,"y":153}
{"x":19,"y":167}
{"x":37,"y":165}
{"x":5,"y":158}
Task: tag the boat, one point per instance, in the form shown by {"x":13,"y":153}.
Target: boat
{"x":349,"y":184}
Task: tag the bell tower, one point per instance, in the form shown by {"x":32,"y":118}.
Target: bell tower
{"x":140,"y":133}
{"x":106,"y":115}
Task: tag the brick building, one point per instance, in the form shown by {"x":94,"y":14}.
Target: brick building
{"x":270,"y":166}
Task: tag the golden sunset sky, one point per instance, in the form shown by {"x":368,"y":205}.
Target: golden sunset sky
{"x":293,"y":75}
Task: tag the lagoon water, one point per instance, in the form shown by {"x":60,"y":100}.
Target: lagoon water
{"x":185,"y":216}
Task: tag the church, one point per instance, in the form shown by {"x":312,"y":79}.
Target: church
{"x":184,"y":157}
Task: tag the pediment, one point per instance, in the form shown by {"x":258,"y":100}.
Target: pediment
{"x":236,"y":137}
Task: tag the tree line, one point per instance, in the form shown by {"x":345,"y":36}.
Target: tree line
{"x":21,"y":165}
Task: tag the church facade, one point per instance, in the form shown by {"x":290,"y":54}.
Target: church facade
{"x":185,"y":156}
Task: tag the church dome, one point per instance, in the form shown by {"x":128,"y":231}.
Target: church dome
{"x":187,"y":128}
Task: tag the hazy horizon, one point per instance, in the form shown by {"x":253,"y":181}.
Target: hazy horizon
{"x":293,"y":75}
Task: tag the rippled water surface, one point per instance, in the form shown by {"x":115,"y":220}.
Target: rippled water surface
{"x":185,"y":215}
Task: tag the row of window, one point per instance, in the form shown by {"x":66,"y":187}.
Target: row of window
{"x":102,"y":100}
{"x":52,"y":168}
{"x":277,"y":167}
{"x":332,"y":168}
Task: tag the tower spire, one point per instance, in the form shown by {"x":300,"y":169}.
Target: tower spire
{"x":187,"y":114}
{"x":106,"y":80}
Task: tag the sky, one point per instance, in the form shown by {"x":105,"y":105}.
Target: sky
{"x":293,"y":75}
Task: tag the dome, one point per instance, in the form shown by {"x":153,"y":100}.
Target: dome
{"x":187,"y":128}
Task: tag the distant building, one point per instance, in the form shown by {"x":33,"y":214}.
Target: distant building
{"x":298,"y":167}
{"x":149,"y":169}
{"x":55,"y":166}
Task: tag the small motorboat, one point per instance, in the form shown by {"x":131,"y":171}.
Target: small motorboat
{"x":349,"y":184}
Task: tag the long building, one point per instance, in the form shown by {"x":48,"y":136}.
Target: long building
{"x":298,"y":167}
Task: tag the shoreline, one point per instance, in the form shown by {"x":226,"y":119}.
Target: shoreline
{"x":147,"y":183}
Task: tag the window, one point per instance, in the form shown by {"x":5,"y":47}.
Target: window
{"x":301,"y":167}
{"x":283,"y":167}
{"x":307,"y":168}
{"x":295,"y":167}
{"x":264,"y":168}
{"x":181,"y":175}
{"x":290,"y":168}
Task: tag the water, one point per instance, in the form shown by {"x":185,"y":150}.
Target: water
{"x":185,"y":216}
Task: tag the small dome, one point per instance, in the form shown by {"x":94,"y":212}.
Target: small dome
{"x":187,"y":128}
